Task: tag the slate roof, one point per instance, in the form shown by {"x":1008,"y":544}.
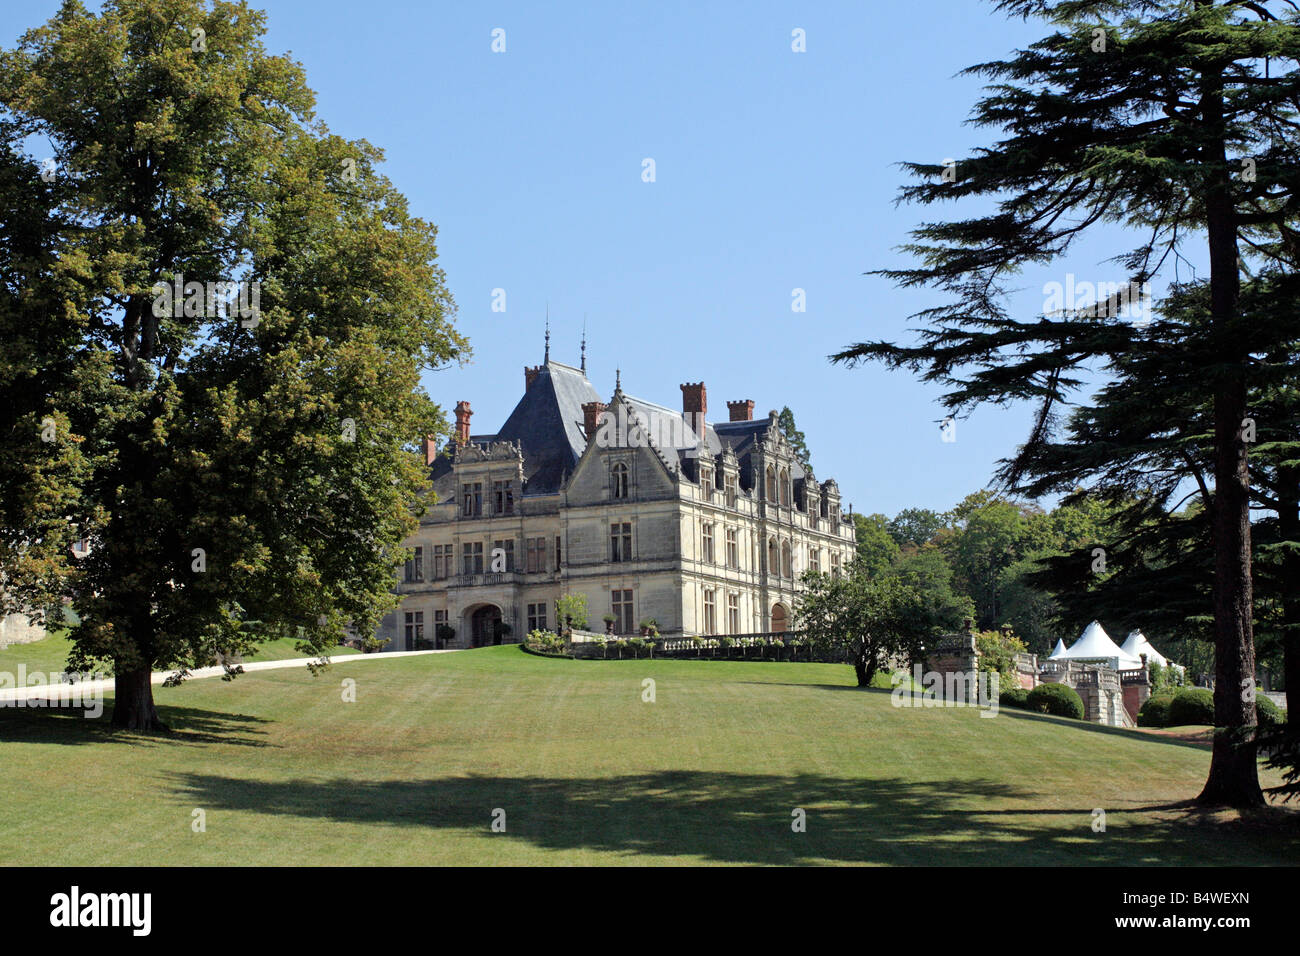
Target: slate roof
{"x":548,"y":425}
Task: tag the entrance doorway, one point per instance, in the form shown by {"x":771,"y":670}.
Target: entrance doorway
{"x":485,"y":626}
{"x":780,"y":618}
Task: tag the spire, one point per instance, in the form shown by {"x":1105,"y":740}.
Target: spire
{"x":618,"y":380}
{"x":584,"y":342}
{"x":547,"y":357}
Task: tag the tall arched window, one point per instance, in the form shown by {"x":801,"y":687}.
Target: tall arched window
{"x":771,"y":483}
{"x":618,"y":480}
{"x":785,"y":487}
{"x":773,"y":557}
{"x":787,"y":560}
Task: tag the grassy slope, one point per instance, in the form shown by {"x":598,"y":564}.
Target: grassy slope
{"x":589,"y":773}
{"x":50,"y":654}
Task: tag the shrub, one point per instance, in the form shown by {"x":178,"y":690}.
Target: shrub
{"x":1055,"y":699}
{"x":1155,"y":712}
{"x":1014,"y":697}
{"x":1270,"y":715}
{"x":1192,"y":705}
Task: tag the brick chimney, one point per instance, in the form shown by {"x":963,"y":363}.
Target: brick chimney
{"x":591,"y":417}
{"x":463,"y":412}
{"x":742,"y":411}
{"x":429,"y":446}
{"x":695,"y":401}
{"x":530,"y":376}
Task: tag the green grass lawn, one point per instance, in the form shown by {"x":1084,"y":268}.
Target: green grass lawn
{"x":587,"y":773}
{"x":50,"y":654}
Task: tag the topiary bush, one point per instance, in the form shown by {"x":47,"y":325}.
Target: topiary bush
{"x":1192,"y":705}
{"x":1055,"y":699}
{"x":1155,"y":712}
{"x":1270,"y":715}
{"x":1016,"y":697}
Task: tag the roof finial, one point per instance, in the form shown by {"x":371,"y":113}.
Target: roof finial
{"x":584,"y":341}
{"x":618,"y":380}
{"x":547,"y":357}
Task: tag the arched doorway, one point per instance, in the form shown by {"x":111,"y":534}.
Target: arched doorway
{"x":780,"y":618}
{"x":485,"y":626}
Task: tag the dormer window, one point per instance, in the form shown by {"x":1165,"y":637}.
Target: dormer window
{"x":618,"y":480}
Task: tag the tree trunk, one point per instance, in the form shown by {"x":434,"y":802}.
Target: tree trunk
{"x":1233,"y":779}
{"x":133,"y":707}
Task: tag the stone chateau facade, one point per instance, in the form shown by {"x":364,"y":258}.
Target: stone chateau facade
{"x":650,"y":512}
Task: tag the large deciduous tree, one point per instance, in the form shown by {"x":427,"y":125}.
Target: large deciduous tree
{"x":1176,"y":120}
{"x":243,"y":464}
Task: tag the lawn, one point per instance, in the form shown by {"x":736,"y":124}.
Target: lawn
{"x":50,"y":654}
{"x":587,"y":772}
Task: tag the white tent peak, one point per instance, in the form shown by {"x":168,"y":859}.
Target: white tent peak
{"x":1058,"y":650}
{"x":1136,"y":644}
{"x":1094,"y":644}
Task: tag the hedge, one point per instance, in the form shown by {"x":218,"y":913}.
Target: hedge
{"x":1014,"y":697}
{"x":1192,"y":705}
{"x":1155,"y":712}
{"x":1270,"y":715}
{"x":1056,"y":699}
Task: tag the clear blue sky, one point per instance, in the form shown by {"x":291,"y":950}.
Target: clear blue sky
{"x":774,"y":170}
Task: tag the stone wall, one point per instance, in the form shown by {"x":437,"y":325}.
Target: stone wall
{"x":18,"y":629}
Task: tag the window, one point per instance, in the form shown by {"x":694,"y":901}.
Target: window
{"x":414,"y":628}
{"x":472,"y":499}
{"x":618,"y":480}
{"x":621,"y":606}
{"x":733,"y":613}
{"x":441,"y":561}
{"x":787,"y":560}
{"x":835,"y":565}
{"x":731,"y":491}
{"x":733,"y":550}
{"x":535,"y":555}
{"x":773,"y":557}
{"x":707,"y":541}
{"x":557,"y":552}
{"x":771,"y":483}
{"x":504,"y":497}
{"x":472,"y":557}
{"x":710,"y":612}
{"x":415,"y":567}
{"x":620,"y":541}
{"x":706,"y":483}
{"x":508,"y":546}
{"x":785,"y":487}
{"x":537,"y":617}
{"x":815,"y":559}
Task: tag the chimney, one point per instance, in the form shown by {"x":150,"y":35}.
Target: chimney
{"x":591,"y":417}
{"x":530,"y":376}
{"x":742,"y":411}
{"x":429,"y":446}
{"x":695,"y":402}
{"x":463,"y":413}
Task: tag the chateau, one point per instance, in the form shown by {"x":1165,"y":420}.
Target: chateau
{"x":648,"y":511}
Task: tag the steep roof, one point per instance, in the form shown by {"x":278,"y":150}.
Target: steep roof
{"x":548,"y":424}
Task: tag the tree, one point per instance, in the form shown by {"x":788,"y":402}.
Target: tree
{"x":228,"y":312}
{"x":915,"y":527}
{"x":868,"y":621}
{"x":571,"y":611}
{"x":943,"y":609}
{"x":795,"y":437}
{"x":876,"y":550}
{"x":1170,"y":118}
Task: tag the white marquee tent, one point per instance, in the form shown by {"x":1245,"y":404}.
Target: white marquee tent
{"x":1137,"y":644}
{"x":1095,"y":646}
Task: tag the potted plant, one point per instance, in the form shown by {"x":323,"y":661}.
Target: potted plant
{"x":609,"y":620}
{"x":444,"y":634}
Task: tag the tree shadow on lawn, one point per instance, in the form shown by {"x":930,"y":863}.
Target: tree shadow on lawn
{"x":746,"y":818}
{"x":187,"y":726}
